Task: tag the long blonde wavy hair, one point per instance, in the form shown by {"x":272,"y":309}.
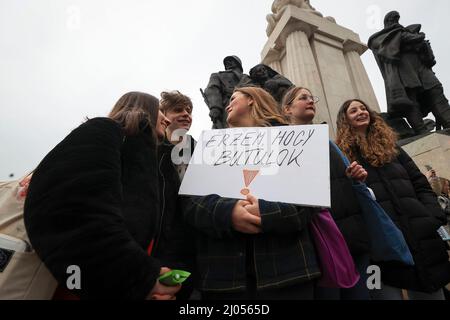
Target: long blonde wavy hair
{"x":264,"y":109}
{"x":380,"y":145}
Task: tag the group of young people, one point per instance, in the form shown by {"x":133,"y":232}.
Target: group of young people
{"x":106,"y":199}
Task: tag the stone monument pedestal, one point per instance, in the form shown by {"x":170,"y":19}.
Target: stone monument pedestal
{"x":432,"y":150}
{"x":315,"y":52}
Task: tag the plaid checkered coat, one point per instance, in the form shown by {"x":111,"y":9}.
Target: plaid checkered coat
{"x":283,"y":254}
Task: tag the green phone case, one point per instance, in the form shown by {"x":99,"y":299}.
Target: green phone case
{"x":174,"y":277}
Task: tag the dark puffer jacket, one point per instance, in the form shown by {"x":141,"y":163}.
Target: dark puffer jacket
{"x":345,"y":207}
{"x":405,"y":194}
{"x":94,"y":202}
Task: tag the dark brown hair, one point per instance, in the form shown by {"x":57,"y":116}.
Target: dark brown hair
{"x":136,"y":111}
{"x":380,"y":145}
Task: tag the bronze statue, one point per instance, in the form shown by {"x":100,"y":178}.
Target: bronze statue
{"x":406,"y":59}
{"x":265,"y":77}
{"x":220,"y":88}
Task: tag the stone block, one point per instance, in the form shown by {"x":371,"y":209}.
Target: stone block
{"x":432,"y":150}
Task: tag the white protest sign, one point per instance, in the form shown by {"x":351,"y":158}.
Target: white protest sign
{"x":281,"y":164}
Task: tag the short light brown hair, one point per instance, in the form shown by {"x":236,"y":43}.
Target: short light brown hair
{"x":170,"y":100}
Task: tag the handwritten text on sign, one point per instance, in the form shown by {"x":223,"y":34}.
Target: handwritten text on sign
{"x":282,"y":164}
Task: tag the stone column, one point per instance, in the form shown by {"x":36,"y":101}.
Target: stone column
{"x":276,"y":65}
{"x":302,"y":71}
{"x":319,"y":54}
{"x":336,"y":80}
{"x":361,"y":82}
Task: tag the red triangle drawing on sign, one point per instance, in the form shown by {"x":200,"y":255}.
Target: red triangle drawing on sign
{"x":249,"y":176}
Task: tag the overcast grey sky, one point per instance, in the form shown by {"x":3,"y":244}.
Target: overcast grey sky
{"x":61,"y":60}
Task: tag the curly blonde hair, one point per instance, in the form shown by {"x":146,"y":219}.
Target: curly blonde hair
{"x":380,"y":145}
{"x":264,"y":109}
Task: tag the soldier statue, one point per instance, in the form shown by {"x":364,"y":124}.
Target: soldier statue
{"x":220,"y":88}
{"x":406,"y":59}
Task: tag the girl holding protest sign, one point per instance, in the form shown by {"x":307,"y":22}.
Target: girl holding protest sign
{"x":406,"y":196}
{"x":253,"y":249}
{"x":300,"y":108}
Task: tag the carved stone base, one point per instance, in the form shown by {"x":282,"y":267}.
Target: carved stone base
{"x":433,"y":150}
{"x":404,"y":130}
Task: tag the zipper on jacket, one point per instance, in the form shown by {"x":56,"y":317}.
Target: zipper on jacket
{"x":163,"y":204}
{"x":254,"y":262}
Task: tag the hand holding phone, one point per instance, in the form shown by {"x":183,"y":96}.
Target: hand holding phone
{"x":174,"y":277}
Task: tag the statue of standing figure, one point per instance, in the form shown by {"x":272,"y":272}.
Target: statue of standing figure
{"x":406,"y":59}
{"x":220,"y":89}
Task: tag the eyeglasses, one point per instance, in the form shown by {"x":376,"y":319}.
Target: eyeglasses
{"x":307,"y":98}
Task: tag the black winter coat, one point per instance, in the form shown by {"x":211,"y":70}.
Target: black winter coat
{"x":93,"y":202}
{"x":175,"y":240}
{"x":405,"y":194}
{"x":345,"y":207}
